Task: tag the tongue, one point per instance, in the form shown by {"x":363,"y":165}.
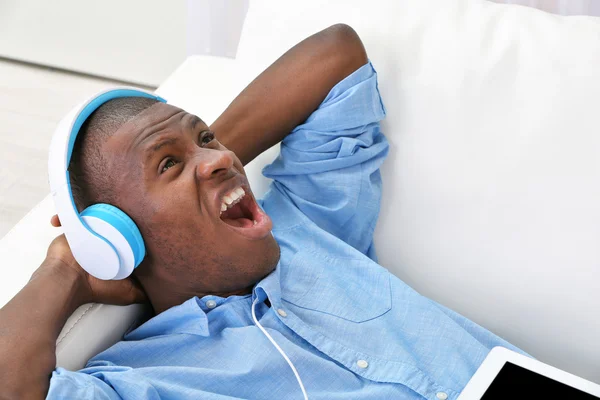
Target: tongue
{"x":239,"y":222}
{"x":238,"y":215}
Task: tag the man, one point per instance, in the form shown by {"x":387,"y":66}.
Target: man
{"x":254,"y":304}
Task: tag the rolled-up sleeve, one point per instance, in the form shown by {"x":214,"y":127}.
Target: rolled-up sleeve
{"x":66,"y":384}
{"x":104,"y":381}
{"x":329,"y":165}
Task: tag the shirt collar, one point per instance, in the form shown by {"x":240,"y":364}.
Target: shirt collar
{"x":190,"y":317}
{"x":187,"y":317}
{"x":269,"y":287}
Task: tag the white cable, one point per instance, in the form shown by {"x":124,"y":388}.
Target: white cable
{"x":278,"y":348}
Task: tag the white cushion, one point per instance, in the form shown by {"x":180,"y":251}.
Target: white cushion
{"x":491,"y":199}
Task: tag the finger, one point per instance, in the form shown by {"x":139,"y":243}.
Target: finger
{"x":54,"y":221}
{"x":122,"y":292}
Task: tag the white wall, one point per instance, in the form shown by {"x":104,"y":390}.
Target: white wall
{"x":563,"y":7}
{"x":215,"y":26}
{"x":140,"y":41}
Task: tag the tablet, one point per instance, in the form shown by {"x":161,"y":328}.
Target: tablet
{"x":505,"y":374}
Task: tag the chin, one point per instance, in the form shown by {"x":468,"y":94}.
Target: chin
{"x":271,"y":255}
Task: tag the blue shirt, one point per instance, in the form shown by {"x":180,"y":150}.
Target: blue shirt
{"x":352,"y":329}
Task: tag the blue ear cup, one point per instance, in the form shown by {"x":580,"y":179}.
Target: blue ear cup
{"x":125,"y":225}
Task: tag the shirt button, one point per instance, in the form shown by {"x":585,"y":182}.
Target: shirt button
{"x":211,"y":304}
{"x":362,"y":363}
{"x":281,"y":312}
{"x":441,"y":395}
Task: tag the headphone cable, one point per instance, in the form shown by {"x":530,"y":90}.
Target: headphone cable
{"x":279,"y":349}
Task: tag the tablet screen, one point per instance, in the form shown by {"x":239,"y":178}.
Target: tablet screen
{"x":513,"y":380}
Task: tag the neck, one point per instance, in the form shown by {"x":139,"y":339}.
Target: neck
{"x":164,"y":294}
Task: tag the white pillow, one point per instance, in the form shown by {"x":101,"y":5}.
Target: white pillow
{"x":492,"y":187}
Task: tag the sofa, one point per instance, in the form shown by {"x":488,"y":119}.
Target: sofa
{"x":491,"y":190}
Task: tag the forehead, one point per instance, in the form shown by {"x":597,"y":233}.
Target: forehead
{"x":157,"y":115}
{"x":128,"y":142}
{"x":158,"y":118}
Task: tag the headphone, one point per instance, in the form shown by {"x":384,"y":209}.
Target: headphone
{"x":103,"y":239}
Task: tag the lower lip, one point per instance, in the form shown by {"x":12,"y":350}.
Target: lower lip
{"x":263,"y":226}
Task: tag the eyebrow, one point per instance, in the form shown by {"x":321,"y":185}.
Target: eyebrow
{"x":169,"y":140}
{"x":195,"y":120}
{"x":162,"y":143}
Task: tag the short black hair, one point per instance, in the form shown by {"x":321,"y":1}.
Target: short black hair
{"x":88,"y":169}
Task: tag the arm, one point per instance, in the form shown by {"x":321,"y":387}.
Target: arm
{"x":31,"y":322}
{"x":287,"y":92}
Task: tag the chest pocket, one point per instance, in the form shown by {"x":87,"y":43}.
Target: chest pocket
{"x":349,"y":288}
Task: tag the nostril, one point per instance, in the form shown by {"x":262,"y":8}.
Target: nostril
{"x":219,"y":171}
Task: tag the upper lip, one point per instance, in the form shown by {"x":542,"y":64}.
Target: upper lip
{"x":226,"y":187}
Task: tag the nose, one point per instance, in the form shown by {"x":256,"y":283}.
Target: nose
{"x":213,"y":162}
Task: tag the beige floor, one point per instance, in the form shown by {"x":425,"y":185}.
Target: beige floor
{"x":32,"y":101}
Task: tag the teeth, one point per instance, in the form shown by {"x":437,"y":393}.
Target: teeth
{"x":232,"y":198}
{"x":254,"y":222}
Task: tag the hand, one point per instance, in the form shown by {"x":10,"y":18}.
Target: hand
{"x":121,"y":292}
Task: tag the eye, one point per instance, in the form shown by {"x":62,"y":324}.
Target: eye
{"x":170,"y":163}
{"x":206,"y":137}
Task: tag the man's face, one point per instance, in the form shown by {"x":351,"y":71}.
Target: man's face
{"x":172,"y":176}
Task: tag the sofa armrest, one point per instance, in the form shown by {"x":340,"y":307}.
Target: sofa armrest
{"x":24,"y":247}
{"x":93,"y":328}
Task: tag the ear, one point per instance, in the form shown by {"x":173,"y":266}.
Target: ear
{"x":54,"y":221}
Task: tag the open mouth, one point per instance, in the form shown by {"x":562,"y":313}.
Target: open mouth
{"x":241,"y":214}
